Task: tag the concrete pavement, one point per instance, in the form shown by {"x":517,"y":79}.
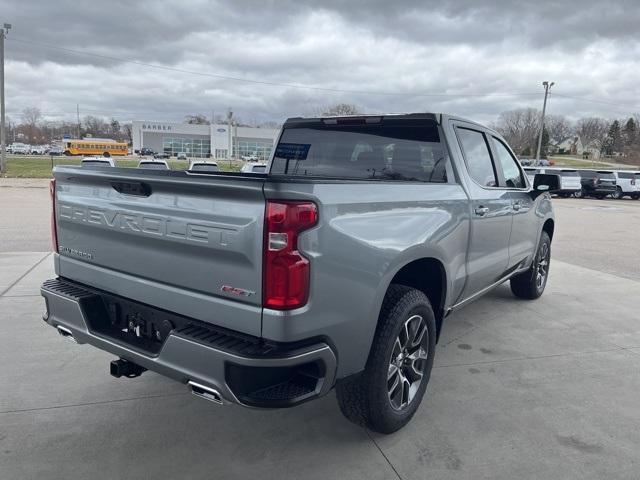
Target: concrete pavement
{"x":544,"y":389}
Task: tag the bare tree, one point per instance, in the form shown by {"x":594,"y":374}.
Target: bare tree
{"x":31,"y":117}
{"x":520,"y":128}
{"x":558,"y":127}
{"x":126,"y":128}
{"x":340,"y":109}
{"x":593,"y":133}
{"x":95,"y":126}
{"x":197,"y":119}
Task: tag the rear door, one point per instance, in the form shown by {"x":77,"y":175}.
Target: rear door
{"x":524,"y":228}
{"x":190,"y":244}
{"x":488,"y":253}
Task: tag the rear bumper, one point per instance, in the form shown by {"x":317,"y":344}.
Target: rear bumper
{"x":244,"y":370}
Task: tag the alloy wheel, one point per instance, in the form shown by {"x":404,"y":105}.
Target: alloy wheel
{"x":407,"y":363}
{"x":542,"y":269}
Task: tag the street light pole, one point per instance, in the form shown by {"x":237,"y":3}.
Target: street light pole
{"x":3,"y":138}
{"x":547,"y":86}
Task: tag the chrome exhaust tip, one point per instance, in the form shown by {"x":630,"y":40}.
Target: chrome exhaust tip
{"x":66,"y":333}
{"x":207,"y":393}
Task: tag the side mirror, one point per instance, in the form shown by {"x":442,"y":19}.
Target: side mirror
{"x":545,"y":182}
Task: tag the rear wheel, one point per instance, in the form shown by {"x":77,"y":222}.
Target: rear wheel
{"x":531,"y":284}
{"x":617,"y":194}
{"x":386,"y":395}
{"x":106,"y":154}
{"x":578,"y":193}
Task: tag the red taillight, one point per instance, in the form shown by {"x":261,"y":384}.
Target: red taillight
{"x":285,"y":271}
{"x":54,"y":233}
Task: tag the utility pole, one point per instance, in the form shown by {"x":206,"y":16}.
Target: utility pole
{"x":3,"y":139}
{"x":78,"y":117}
{"x":547,"y":87}
{"x":229,"y":133}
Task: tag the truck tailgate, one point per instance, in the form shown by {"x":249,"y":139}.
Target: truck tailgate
{"x":191,"y":244}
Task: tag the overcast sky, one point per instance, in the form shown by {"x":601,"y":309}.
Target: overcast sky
{"x":410,"y":50}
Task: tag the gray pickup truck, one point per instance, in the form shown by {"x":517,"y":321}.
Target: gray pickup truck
{"x":334,"y":268}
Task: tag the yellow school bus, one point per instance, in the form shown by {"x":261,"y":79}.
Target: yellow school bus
{"x":89,"y":146}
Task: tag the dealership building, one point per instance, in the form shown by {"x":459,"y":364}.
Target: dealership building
{"x":203,"y":140}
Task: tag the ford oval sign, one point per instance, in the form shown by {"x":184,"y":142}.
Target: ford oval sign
{"x":222,"y":130}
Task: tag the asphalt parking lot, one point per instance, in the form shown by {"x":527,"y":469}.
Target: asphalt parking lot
{"x":544,"y":389}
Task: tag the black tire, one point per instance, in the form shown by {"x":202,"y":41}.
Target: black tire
{"x":599,"y":196}
{"x":635,"y":196}
{"x":578,"y":193}
{"x":106,"y":154}
{"x":617,"y":194}
{"x":365,"y":398}
{"x":527,"y":284}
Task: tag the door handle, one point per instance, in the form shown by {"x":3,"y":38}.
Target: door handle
{"x":481,"y":211}
{"x":516,"y":206}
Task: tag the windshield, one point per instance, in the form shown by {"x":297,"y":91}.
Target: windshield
{"x":387,"y":150}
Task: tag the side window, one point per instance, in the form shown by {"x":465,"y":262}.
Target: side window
{"x":476,"y":153}
{"x":511,"y":172}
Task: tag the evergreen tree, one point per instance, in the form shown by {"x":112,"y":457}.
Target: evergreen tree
{"x":630,"y":133}
{"x":613,"y":142}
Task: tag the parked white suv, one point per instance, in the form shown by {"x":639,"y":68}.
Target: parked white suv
{"x":569,"y":180}
{"x":627,"y":184}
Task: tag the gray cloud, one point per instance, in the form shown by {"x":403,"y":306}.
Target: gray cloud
{"x":413,"y":47}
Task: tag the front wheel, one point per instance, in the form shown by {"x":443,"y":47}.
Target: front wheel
{"x":578,"y":193}
{"x":385,"y":396}
{"x":531,"y":283}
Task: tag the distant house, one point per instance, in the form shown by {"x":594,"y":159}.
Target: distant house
{"x":567,"y":146}
{"x":592,"y":150}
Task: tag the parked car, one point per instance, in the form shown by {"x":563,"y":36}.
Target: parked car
{"x":37,"y":150}
{"x":569,"y":180}
{"x":20,"y":149}
{"x":182,"y":156}
{"x":55,"y":151}
{"x":162,"y":155}
{"x":627,"y":184}
{"x":97,"y":162}
{"x":596,"y":183}
{"x":336,"y":269}
{"x":145,"y":152}
{"x":153,"y":164}
{"x":254,"y":168}
{"x":202,"y":166}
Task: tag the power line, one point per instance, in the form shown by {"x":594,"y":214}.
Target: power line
{"x":264,"y":82}
{"x":592,"y":100}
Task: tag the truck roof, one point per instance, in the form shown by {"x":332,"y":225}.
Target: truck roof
{"x":436,"y":117}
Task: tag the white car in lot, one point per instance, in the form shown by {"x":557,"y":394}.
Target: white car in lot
{"x":627,"y":184}
{"x":202,"y":166}
{"x":254,"y":168}
{"x":569,"y":180}
{"x":97,"y":162}
{"x":154,"y":164}
{"x":19,"y":148}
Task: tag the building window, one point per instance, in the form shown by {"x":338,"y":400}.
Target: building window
{"x":221,"y":153}
{"x":253,"y":148}
{"x":192,"y":147}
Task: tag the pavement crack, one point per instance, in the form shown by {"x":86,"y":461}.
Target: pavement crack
{"x":24,"y":274}
{"x":382,"y":453}
{"x":102,"y":402}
